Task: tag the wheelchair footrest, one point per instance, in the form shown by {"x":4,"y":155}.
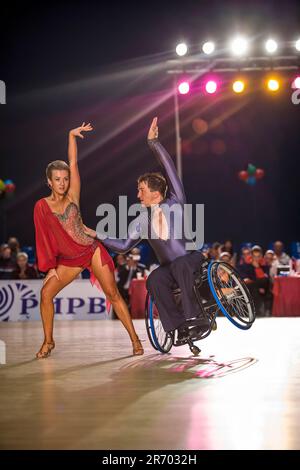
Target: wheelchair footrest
{"x":193,"y":330}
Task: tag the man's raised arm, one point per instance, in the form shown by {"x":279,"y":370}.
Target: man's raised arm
{"x":164,"y":159}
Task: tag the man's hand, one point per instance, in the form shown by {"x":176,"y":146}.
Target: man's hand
{"x":90,"y":232}
{"x":83,"y":128}
{"x":153,"y":131}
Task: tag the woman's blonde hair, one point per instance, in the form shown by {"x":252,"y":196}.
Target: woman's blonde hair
{"x":56,"y":165}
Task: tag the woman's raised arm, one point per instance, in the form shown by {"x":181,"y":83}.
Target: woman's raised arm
{"x":74,"y":189}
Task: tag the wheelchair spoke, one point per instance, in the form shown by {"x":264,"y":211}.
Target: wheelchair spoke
{"x":229,"y":289}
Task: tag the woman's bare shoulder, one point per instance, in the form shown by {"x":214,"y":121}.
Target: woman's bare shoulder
{"x":39,"y":202}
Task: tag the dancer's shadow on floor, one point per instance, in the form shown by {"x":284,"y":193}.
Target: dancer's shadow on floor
{"x":59,"y":372}
{"x":195,"y":367}
{"x":105,"y":398}
{"x":18,"y":364}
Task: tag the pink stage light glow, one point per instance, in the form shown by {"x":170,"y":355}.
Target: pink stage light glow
{"x":211,"y":86}
{"x":296,"y":83}
{"x":183,"y":88}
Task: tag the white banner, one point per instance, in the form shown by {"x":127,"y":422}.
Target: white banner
{"x":20,"y":301}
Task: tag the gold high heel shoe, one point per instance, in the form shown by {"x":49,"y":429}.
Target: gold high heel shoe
{"x":43,"y":354}
{"x":137,"y":347}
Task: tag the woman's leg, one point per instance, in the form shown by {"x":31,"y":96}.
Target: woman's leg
{"x":109,"y":286}
{"x":66,"y":275}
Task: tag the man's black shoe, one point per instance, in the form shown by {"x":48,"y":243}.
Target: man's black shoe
{"x":183,"y":333}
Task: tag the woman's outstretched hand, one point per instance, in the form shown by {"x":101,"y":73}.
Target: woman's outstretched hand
{"x":83,"y":128}
{"x":153,"y":131}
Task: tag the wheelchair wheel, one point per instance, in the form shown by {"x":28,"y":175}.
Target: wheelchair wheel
{"x":159,"y":339}
{"x":231,"y":294}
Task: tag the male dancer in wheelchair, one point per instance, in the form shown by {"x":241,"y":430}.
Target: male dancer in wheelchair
{"x":178,"y":267}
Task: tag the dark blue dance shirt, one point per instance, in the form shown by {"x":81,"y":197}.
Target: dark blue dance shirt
{"x":172,"y":206}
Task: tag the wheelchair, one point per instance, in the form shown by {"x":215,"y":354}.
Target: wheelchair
{"x":218,"y":287}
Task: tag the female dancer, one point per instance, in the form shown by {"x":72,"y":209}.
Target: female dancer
{"x":65,"y":248}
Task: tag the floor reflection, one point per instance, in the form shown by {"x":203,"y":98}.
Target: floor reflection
{"x":200,"y":368}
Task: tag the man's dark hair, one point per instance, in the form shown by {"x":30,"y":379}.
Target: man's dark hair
{"x":155,"y":182}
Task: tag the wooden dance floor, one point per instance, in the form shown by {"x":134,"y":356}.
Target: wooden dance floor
{"x":242,"y":392}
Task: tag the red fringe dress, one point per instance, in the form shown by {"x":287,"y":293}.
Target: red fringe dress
{"x":60,"y":239}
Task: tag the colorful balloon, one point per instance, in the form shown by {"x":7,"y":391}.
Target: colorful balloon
{"x":259,"y":173}
{"x":243,"y":175}
{"x":251,"y":169}
{"x":2,"y":186}
{"x":7,"y":188}
{"x":251,"y":180}
{"x":251,"y":175}
{"x":10,"y":188}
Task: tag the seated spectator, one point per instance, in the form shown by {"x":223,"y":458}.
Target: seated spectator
{"x":14,"y":245}
{"x":121,"y":274}
{"x":226,"y":257}
{"x":245,"y":256}
{"x":23,"y":269}
{"x":215,"y":251}
{"x":7,"y":266}
{"x":134,"y":267}
{"x":269,"y":259}
{"x":274,"y":268}
{"x":254,"y":272}
{"x":282,"y":257}
{"x":120,"y":260}
{"x":228,"y":248}
{"x":205,"y":251}
{"x":127,"y":269}
{"x":134,"y":262}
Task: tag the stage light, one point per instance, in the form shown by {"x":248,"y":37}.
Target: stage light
{"x":297,"y":45}
{"x":239,"y":46}
{"x":238,"y":86}
{"x":208,"y":47}
{"x":273,"y":84}
{"x":271,"y":46}
{"x":183,"y":88}
{"x":181,"y":49}
{"x":296,"y":83}
{"x":211,"y":86}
